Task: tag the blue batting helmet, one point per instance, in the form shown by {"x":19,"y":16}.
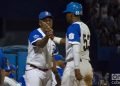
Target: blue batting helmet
{"x":75,"y":8}
{"x":44,"y":14}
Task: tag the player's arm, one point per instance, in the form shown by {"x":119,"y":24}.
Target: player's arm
{"x":73,"y":35}
{"x":48,"y":34}
{"x":76,"y":55}
{"x":59,"y":40}
{"x":41,"y":43}
{"x":38,"y":39}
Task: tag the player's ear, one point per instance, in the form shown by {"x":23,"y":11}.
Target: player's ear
{"x":39,"y":22}
{"x":72,"y":16}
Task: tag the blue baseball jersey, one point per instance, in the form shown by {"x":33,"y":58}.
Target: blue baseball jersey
{"x":78,"y":33}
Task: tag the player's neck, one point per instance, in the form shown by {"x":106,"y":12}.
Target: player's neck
{"x":75,"y":20}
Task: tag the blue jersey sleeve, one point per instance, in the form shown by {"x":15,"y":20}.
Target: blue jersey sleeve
{"x":35,"y":36}
{"x":73,"y":33}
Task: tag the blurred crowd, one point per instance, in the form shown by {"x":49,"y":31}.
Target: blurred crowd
{"x":104,"y":20}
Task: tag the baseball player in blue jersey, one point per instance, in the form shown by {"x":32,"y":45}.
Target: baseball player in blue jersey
{"x":40,"y":50}
{"x":78,"y":70}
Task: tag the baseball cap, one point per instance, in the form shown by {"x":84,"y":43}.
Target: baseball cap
{"x":45,"y":14}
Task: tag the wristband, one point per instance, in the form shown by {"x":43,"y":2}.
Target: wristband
{"x":57,"y":40}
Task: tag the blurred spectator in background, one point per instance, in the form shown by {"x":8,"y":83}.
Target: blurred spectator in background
{"x":2,"y":65}
{"x":5,"y":71}
{"x":93,"y":24}
{"x":13,"y":71}
{"x":107,"y":27}
{"x":9,"y":81}
{"x":105,"y":22}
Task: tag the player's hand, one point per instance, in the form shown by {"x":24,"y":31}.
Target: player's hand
{"x":49,"y":33}
{"x":44,"y":25}
{"x":78,"y":74}
{"x":48,"y":30}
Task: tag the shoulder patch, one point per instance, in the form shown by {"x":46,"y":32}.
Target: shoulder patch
{"x":71,"y":36}
{"x":36,"y":36}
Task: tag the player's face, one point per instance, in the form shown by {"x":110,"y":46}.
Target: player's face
{"x":69,"y":17}
{"x":48,"y":21}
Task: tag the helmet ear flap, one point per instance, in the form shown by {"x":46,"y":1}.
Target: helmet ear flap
{"x":78,"y":12}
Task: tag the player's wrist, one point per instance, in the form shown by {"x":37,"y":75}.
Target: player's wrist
{"x":57,"y":39}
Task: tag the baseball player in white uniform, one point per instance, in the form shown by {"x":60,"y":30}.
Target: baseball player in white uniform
{"x":78,"y":70}
{"x":40,"y":49}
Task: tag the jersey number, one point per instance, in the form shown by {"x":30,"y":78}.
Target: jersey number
{"x":86,"y":39}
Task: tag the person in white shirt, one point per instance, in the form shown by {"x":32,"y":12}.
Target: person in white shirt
{"x":40,"y":50}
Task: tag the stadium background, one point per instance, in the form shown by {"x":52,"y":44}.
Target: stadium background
{"x":19,"y":17}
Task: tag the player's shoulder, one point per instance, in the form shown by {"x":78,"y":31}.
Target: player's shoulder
{"x":74,"y":26}
{"x":37,"y":32}
{"x":83,"y":25}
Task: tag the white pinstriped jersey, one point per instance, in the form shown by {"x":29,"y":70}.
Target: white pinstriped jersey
{"x":78,"y":33}
{"x":39,"y":56}
{"x":10,"y":82}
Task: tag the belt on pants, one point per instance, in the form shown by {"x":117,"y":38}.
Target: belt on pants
{"x":31,"y":65}
{"x":71,"y":59}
